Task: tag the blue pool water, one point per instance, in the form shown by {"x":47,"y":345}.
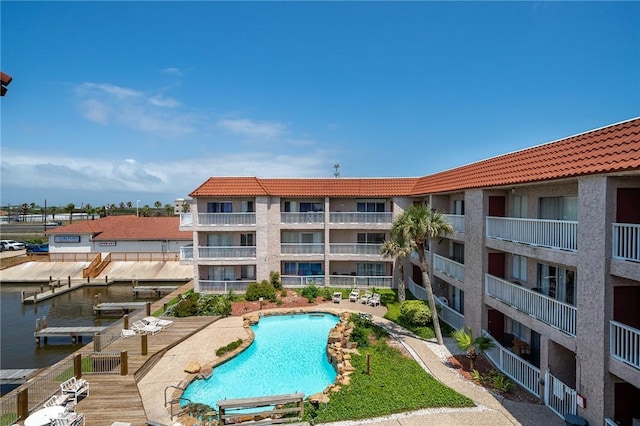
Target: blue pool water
{"x":288,"y":355}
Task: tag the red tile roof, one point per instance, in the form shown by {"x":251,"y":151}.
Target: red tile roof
{"x":329,"y":187}
{"x":127,"y":228}
{"x":610,"y":149}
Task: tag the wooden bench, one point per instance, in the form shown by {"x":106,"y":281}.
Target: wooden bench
{"x":274,"y":414}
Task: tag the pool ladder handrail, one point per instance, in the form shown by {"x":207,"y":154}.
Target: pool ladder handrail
{"x":182,"y":386}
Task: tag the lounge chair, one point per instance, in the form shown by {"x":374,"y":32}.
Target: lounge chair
{"x":374,"y":300}
{"x":365,"y":298}
{"x":354,"y":296}
{"x":57,"y":400}
{"x":74,"y":388}
{"x":141,"y":327}
{"x":158,"y":321}
{"x":127,"y":333}
{"x":69,"y":419}
{"x":337,"y":297}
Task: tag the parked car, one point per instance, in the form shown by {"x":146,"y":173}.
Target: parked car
{"x":12,"y":245}
{"x":54,"y":223}
{"x":38,"y":248}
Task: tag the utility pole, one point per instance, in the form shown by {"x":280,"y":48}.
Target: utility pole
{"x":336,"y":173}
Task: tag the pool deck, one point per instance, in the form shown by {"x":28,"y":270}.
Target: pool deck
{"x":135,"y":399}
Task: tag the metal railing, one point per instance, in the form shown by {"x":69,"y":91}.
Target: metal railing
{"x":449,"y":315}
{"x":354,"y":248}
{"x":307,"y":217}
{"x":302,"y":281}
{"x":360,"y":217}
{"x":559,"y":315}
{"x":360,"y":281}
{"x":457,"y":221}
{"x":224,"y":286}
{"x":626,"y":241}
{"x":555,"y":234}
{"x":419,"y":292}
{"x":9,"y":409}
{"x":226,"y":219}
{"x":624,"y":343}
{"x":227,"y":252}
{"x":516,"y":368}
{"x":560,"y":398}
{"x":302,"y":248}
{"x":121,"y":256}
{"x":448,"y":267}
{"x":186,"y":253}
{"x":102,"y":363}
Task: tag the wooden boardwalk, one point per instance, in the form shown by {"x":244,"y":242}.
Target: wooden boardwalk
{"x":118,"y":307}
{"x":75,"y":332}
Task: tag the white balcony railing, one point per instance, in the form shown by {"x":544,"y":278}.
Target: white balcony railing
{"x":452,"y":317}
{"x":302,"y":248}
{"x":559,"y":397}
{"x":186,"y":253}
{"x":516,"y":368}
{"x":360,"y":217}
{"x":555,"y":234}
{"x":456,"y":220}
{"x":448,"y":267}
{"x":544,"y":308}
{"x":186,"y":219}
{"x":626,"y":241}
{"x":360,"y":281}
{"x":302,"y":281}
{"x":226,"y":219}
{"x":624,"y":342}
{"x":352,"y":248}
{"x":224,"y":286}
{"x":308,"y":217}
{"x":226,"y":252}
{"x":427,"y":256}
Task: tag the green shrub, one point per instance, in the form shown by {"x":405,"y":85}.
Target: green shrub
{"x":310,"y":292}
{"x":262,"y":289}
{"x":188,"y":306}
{"x":274,"y":279}
{"x":500,"y":382}
{"x":326,"y":293}
{"x":415,"y":313}
{"x":214,"y":305}
{"x":229,"y":348}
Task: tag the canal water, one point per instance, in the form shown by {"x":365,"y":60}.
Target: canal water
{"x":17,"y":322}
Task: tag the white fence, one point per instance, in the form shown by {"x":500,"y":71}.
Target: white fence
{"x":556,"y":234}
{"x":302,"y":281}
{"x":360,"y":217}
{"x":624,"y":343}
{"x":360,"y":281}
{"x":546,"y":309}
{"x":626,"y":241}
{"x":448,"y":267}
{"x":307,"y":217}
{"x":560,"y":398}
{"x":226,"y":219}
{"x":302,"y":248}
{"x":457,"y":221}
{"x":223,"y":286}
{"x":227,"y":252}
{"x":452,"y":317}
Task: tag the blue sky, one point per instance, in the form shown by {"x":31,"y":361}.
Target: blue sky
{"x":123,"y":101}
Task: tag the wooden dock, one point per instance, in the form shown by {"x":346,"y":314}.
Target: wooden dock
{"x":117,"y":307}
{"x":76,"y":333}
{"x":157,"y":290}
{"x":16,"y":375}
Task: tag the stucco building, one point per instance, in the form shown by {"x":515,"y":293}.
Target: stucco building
{"x":545,"y":257}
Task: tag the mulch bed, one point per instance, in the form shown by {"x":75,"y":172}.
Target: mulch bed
{"x":292,"y":300}
{"x":484,"y":366}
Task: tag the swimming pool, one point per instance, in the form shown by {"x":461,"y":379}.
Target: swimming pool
{"x":288,"y":355}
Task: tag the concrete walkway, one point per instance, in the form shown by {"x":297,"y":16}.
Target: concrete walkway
{"x":490,"y":409}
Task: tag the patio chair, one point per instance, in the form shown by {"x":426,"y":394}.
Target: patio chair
{"x":354,"y":296}
{"x":127,"y":333}
{"x":56,"y":400}
{"x":74,"y":388}
{"x":374,"y":300}
{"x":365,"y":298}
{"x":163,"y":323}
{"x":141,"y":327}
{"x":69,"y":419}
{"x":337,"y":297}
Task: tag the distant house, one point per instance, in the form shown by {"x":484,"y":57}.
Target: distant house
{"x":120,"y":234}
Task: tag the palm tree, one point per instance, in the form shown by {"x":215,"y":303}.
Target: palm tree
{"x":472,"y":346}
{"x":419,"y":225}
{"x":157,"y":205}
{"x":398,"y":249}
{"x":168,"y":208}
{"x":53,"y":210}
{"x":69,"y":209}
{"x":129,"y":204}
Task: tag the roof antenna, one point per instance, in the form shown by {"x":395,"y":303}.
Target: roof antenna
{"x":336,"y":173}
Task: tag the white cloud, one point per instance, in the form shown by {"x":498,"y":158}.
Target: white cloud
{"x":173,"y":71}
{"x":253,"y":129}
{"x":162,"y":101}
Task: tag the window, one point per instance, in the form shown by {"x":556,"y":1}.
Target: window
{"x":248,"y":271}
{"x":311,"y":207}
{"x":558,"y":208}
{"x":247,"y":240}
{"x":458,"y":253}
{"x":370,"y":206}
{"x":519,"y":206}
{"x":519,"y":268}
{"x":558,"y":283}
{"x":371,"y":269}
{"x":220,"y":207}
{"x":221,"y":273}
{"x":370,"y":237}
{"x":247,"y":207}
{"x":518,"y":330}
{"x":302,"y":268}
{"x":301,"y":237}
{"x":458,"y":207}
{"x":219,"y":240}
{"x":458,"y":300}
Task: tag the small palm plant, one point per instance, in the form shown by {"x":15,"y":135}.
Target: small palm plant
{"x":472,"y":346}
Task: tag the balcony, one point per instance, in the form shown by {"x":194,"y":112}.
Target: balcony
{"x":186,"y":219}
{"x":186,"y":253}
{"x":624,"y":343}
{"x":559,"y":315}
{"x":302,"y":248}
{"x":361,"y":218}
{"x":452,"y":317}
{"x":353,"y":248}
{"x":554,"y":234}
{"x":457,"y":221}
{"x":224,"y":219}
{"x":626,"y":241}
{"x":227,"y":252}
{"x":302,"y":218}
{"x":360,"y":281}
{"x":224,"y":286}
{"x":448,"y":267}
{"x":302,"y":280}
